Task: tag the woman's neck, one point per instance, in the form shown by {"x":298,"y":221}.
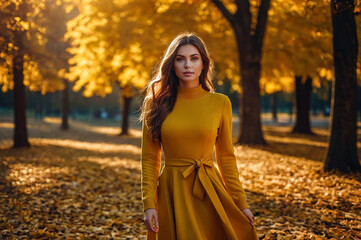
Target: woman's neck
{"x":190,"y":92}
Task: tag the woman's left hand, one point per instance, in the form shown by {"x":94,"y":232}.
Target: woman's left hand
{"x":249,"y":215}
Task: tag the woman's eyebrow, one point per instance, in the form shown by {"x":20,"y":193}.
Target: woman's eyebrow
{"x":195,"y":54}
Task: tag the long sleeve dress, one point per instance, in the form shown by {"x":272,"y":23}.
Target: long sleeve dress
{"x":195,"y":199}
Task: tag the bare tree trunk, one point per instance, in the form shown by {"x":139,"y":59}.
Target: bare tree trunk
{"x":240,"y":111}
{"x":303,"y":101}
{"x":274,"y":106}
{"x":65,"y":106}
{"x":20,"y":131}
{"x":342,"y":149}
{"x":251,"y":130}
{"x":125,"y":115}
{"x":249,"y":42}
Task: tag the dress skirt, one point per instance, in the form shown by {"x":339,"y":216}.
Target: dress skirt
{"x":193,"y":203}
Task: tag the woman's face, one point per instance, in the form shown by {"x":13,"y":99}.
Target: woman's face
{"x":188,"y":65}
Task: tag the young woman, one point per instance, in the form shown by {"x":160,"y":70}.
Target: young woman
{"x":191,"y":198}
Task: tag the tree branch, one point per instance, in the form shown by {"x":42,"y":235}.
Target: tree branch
{"x":261,"y":24}
{"x":244,"y":15}
{"x":224,"y":11}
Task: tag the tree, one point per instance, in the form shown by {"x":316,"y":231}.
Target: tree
{"x":249,"y":38}
{"x":342,"y":149}
{"x":303,"y":103}
{"x":112,"y":43}
{"x":55,"y":16}
{"x":297,"y":54}
{"x":104,"y":53}
{"x":14,"y":26}
{"x":24,"y":60}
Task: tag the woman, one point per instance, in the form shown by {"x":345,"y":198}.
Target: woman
{"x":182,"y":114}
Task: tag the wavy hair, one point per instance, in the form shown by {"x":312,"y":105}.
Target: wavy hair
{"x":161,"y":91}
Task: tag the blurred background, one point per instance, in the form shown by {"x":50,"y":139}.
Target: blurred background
{"x":92,"y":58}
{"x":72,"y":75}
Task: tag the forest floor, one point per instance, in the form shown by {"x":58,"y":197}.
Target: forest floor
{"x":85,"y":183}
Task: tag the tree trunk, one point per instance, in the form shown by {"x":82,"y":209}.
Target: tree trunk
{"x":240,"y":109}
{"x":20,"y":130}
{"x":39,"y":105}
{"x":303,"y":100}
{"x":251,"y":130}
{"x":125,"y":116}
{"x":342,"y":149}
{"x":249,"y":42}
{"x":65,"y":106}
{"x":359,"y":101}
{"x":274,"y":106}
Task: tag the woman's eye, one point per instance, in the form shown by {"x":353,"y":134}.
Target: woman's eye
{"x":195,"y":58}
{"x":179,"y":59}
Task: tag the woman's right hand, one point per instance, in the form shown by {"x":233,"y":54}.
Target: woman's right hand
{"x":151,"y":213}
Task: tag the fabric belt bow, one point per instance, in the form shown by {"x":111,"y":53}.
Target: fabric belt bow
{"x":201,"y":181}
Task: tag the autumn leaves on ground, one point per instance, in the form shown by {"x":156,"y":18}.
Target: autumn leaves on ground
{"x":85,"y":183}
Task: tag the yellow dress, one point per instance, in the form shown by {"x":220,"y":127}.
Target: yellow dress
{"x":194,"y":199}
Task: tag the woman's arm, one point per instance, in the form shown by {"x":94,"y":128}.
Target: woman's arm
{"x":226,"y":159}
{"x":150,"y":159}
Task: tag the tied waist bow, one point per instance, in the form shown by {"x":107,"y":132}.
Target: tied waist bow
{"x":202,"y":180}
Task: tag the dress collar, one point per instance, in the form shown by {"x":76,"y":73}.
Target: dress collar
{"x":190,"y":93}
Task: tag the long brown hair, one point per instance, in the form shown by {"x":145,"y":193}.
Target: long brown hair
{"x":161,"y":91}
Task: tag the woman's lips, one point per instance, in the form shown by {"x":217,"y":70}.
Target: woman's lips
{"x":187,"y":73}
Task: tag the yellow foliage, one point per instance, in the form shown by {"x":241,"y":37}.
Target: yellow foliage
{"x":325,"y":73}
{"x":128,"y":91}
{"x":162,"y":7}
{"x":24,"y":25}
{"x":31,"y":72}
{"x":62,"y":73}
{"x":137,"y":37}
{"x":236,"y":88}
{"x":38,"y":68}
{"x":316,"y":82}
{"x":272,"y":87}
{"x":298,"y":41}
{"x":5,"y":79}
{"x":87,"y":93}
{"x":108,"y":89}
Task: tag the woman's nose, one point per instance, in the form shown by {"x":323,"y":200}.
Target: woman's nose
{"x":186,"y":64}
